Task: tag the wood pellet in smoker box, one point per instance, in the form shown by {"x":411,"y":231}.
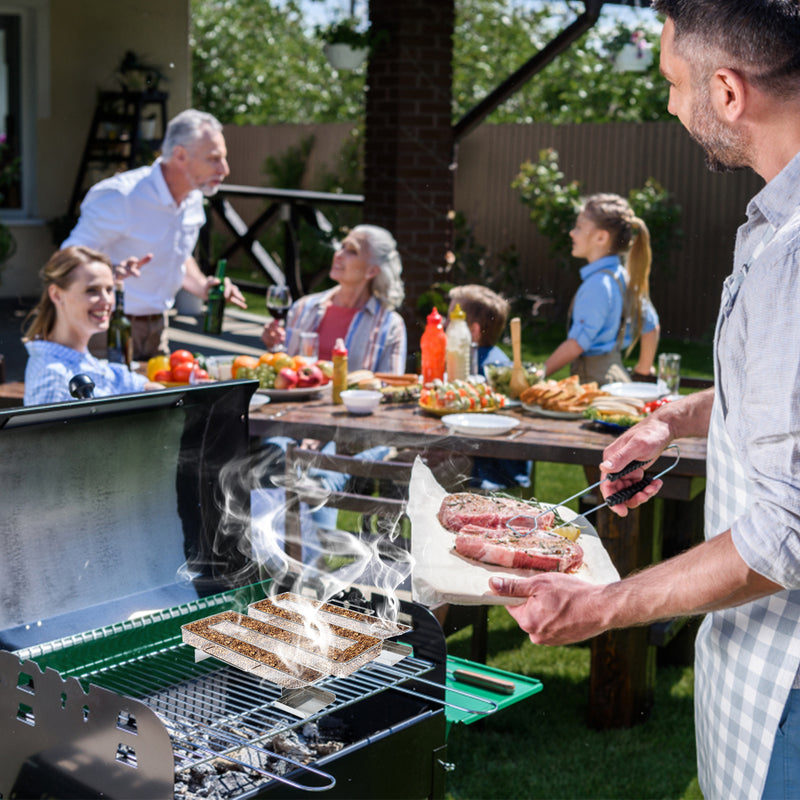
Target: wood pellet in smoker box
{"x":294,"y":659}
{"x":294,"y":610}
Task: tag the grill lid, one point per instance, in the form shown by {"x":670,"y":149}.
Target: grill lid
{"x":111,"y":508}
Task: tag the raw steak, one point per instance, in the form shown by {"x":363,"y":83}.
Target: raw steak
{"x":538,"y":550}
{"x":463,"y":508}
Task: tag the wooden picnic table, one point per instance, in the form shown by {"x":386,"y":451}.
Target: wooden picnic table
{"x":623,"y":662}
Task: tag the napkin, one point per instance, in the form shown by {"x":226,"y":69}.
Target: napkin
{"x":441,"y":576}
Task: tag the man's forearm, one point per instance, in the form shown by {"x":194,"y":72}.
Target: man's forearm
{"x":708,"y":577}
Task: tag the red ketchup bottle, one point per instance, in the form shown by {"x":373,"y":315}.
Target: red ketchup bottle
{"x":433,"y":345}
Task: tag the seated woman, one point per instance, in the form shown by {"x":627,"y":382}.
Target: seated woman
{"x":76,"y":302}
{"x":360,"y":310}
{"x":611,"y":309}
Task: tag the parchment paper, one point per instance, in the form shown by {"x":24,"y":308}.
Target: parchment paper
{"x":440,"y":575}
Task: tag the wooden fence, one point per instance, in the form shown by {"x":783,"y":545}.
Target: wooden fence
{"x":610,"y":158}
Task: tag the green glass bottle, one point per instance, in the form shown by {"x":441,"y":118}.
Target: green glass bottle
{"x":215,"y":304}
{"x":120,"y":331}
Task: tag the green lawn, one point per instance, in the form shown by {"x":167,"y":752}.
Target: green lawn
{"x":543,"y":748}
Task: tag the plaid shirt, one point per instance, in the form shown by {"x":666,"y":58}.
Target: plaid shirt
{"x":748,"y":657}
{"x":376,"y":339}
{"x":51,"y":366}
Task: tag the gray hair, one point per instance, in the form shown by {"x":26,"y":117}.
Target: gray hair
{"x":758,"y":38}
{"x":187,"y":128}
{"x":387,"y":285}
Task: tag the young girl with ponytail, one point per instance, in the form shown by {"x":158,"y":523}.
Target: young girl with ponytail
{"x":611,"y":309}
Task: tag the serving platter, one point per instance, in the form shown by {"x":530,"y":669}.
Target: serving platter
{"x":292,"y":394}
{"x":443,"y":412}
{"x":546,"y":412}
{"x":480,"y":424}
{"x":637,"y":389}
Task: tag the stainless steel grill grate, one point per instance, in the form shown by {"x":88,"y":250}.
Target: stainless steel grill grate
{"x":213,"y":712}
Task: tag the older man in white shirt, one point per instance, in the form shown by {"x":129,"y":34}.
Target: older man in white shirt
{"x":149,"y":219}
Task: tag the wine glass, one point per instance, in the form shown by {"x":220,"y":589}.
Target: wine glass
{"x":279,"y":299}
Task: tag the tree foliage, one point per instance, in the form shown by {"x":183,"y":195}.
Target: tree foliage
{"x":255,"y":63}
{"x":495,"y":37}
{"x":258,"y":62}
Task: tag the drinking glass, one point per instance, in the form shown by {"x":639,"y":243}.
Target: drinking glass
{"x":309,"y":347}
{"x":279,"y":299}
{"x":669,"y":371}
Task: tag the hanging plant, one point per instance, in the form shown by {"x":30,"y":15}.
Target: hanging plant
{"x":346,"y":46}
{"x":630,"y":51}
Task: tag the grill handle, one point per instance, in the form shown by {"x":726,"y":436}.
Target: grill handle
{"x":491,"y":703}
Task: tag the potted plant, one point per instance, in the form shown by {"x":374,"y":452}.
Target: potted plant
{"x":630,"y":52}
{"x":346,"y":47}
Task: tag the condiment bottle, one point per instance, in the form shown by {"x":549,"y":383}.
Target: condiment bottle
{"x":215,"y":303}
{"x":339,"y":379}
{"x":433,"y":345}
{"x":459,"y":344}
{"x":120,"y":331}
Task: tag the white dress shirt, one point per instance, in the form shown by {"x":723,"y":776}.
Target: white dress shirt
{"x":132,"y":214}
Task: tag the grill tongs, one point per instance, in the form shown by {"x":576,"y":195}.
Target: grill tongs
{"x":612,"y":500}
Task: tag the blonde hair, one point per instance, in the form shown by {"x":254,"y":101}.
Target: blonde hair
{"x":630,"y":239}
{"x":58,"y":271}
{"x":480,"y":304}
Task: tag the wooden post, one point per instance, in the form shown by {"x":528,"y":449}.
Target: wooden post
{"x":623,"y":670}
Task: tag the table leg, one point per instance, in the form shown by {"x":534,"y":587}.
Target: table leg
{"x":623,"y":664}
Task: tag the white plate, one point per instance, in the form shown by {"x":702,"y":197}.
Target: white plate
{"x":258,"y":400}
{"x":637,"y":389}
{"x":480,"y":424}
{"x":546,"y":412}
{"x":292,"y":394}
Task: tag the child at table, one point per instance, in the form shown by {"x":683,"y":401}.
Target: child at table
{"x":611,"y":310}
{"x":487,"y":313}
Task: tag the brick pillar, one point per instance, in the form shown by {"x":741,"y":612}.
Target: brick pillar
{"x":408,"y":184}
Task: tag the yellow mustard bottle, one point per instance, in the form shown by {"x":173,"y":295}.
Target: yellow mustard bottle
{"x":339,"y":379}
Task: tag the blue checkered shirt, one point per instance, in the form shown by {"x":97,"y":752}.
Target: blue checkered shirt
{"x":51,"y":366}
{"x":748,"y":657}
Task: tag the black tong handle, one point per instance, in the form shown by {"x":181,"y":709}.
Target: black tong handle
{"x":634,"y":465}
{"x":629,"y":491}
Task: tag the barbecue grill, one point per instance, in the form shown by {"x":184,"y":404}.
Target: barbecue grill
{"x":113,"y":538}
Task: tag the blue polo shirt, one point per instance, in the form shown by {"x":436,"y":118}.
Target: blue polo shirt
{"x":597,"y":310}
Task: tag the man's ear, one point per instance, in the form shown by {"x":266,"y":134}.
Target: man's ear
{"x":728,"y":91}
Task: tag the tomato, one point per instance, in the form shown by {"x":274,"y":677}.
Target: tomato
{"x":650,"y":407}
{"x":157,"y":364}
{"x":180,"y":357}
{"x":182,"y":372}
{"x":201,"y":374}
{"x":243,"y":361}
{"x":162,"y":376}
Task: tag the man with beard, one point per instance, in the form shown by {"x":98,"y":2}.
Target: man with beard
{"x":147,"y":220}
{"x":734,"y":74}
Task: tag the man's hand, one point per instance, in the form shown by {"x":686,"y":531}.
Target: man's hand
{"x":273,"y":334}
{"x":131,"y":267}
{"x":231,"y":291}
{"x":645,"y":441}
{"x":559,"y":609}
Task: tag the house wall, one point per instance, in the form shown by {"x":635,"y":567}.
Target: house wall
{"x":88,"y":39}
